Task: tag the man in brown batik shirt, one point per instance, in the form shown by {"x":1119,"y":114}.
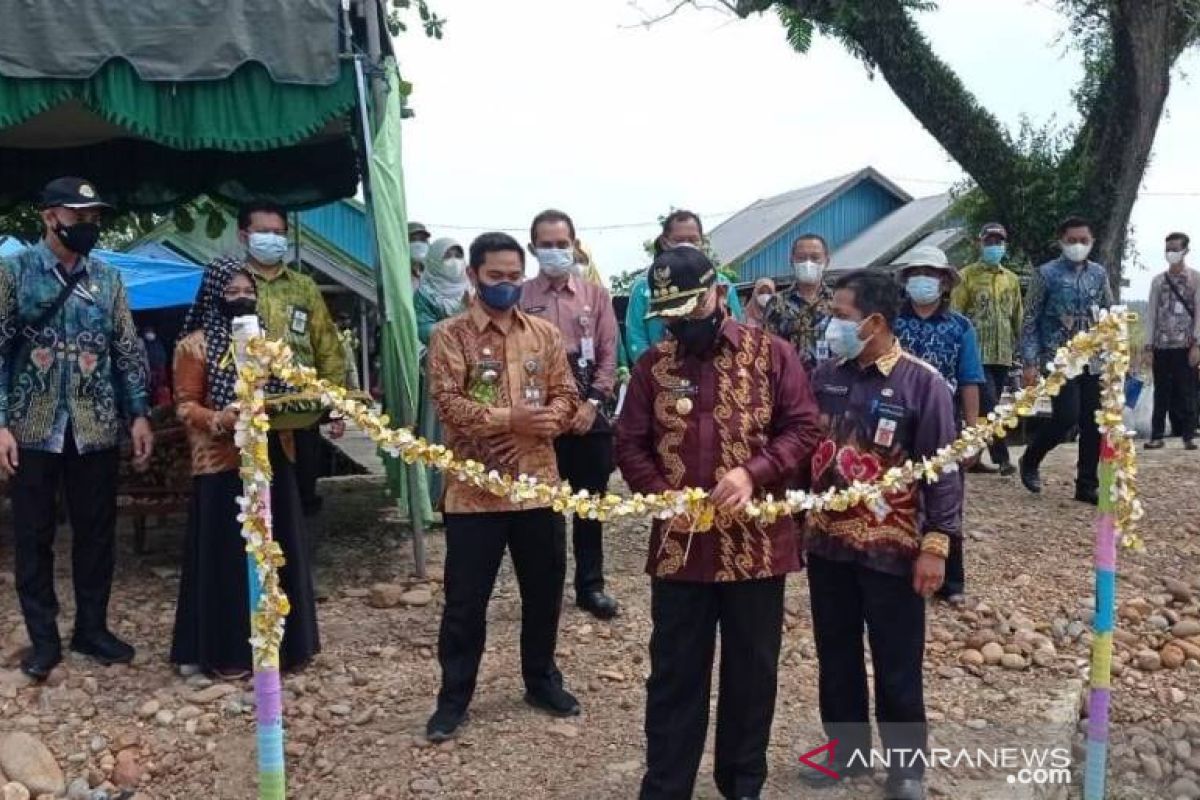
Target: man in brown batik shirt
{"x":503,"y":391}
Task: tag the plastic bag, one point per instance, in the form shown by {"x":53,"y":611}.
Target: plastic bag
{"x":1138,"y":417}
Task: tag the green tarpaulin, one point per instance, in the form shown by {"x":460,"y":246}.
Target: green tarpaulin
{"x":398,"y":336}
{"x":171,"y":40}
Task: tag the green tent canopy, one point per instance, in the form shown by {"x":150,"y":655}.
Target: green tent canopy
{"x":258,"y":112}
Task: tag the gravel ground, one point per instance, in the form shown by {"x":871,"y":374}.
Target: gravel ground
{"x":354,"y":718}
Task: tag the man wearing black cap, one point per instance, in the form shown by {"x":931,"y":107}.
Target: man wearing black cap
{"x":73,"y":375}
{"x":990,"y":296}
{"x":726,"y":408}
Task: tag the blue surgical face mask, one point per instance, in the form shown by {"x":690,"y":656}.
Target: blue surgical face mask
{"x":500,"y":296}
{"x":842,"y":337}
{"x":267,"y":248}
{"x":923,"y":289}
{"x":993,"y":254}
{"x":555,"y":262}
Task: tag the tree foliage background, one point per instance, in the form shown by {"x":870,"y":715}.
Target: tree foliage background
{"x":1032,"y":177}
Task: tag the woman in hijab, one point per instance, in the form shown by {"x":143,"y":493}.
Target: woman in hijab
{"x":756,"y":309}
{"x":212,"y":619}
{"x":444,"y":291}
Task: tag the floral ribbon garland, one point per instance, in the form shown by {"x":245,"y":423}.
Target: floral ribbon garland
{"x":1106,"y":345}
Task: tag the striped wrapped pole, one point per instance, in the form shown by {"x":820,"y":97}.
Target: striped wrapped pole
{"x":1102,"y":629}
{"x":268,"y":695}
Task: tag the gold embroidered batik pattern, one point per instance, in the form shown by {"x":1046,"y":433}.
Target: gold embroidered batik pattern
{"x":736,"y":408}
{"x":668,"y":385}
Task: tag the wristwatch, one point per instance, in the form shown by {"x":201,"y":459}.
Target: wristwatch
{"x":594,"y":402}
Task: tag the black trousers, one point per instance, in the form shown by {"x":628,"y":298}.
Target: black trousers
{"x":474,"y":548}
{"x":956,"y":579}
{"x":844,"y":596}
{"x":90,"y":481}
{"x":1174,"y":394}
{"x":586,"y":462}
{"x":308,"y":467}
{"x":1076,"y":404}
{"x":686,"y":617}
{"x":996,"y":378}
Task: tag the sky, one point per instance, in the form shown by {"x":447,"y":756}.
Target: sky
{"x":573,"y":104}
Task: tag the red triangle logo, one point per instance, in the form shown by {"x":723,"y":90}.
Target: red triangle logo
{"x":808,"y":759}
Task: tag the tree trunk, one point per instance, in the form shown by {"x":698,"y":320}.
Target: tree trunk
{"x":1103,"y":172}
{"x":1114,"y":145}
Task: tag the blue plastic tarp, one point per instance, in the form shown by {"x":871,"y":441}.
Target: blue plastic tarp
{"x":154,"y":283}
{"x":151,"y":282}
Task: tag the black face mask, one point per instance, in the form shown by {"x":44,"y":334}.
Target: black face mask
{"x":79,"y":238}
{"x":241,"y":307}
{"x":697,"y":336}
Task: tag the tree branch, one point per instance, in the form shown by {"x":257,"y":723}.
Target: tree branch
{"x":889,"y":38}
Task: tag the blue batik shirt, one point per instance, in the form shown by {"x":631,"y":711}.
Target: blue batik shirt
{"x":1060,"y":303}
{"x":946,"y":340}
{"x":84,"y":369}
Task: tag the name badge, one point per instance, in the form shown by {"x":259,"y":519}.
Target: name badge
{"x":587,"y":348}
{"x":299,"y":322}
{"x":885,"y":432}
{"x":822,"y":350}
{"x":1179,"y":309}
{"x":835,"y":391}
{"x":889,"y":417}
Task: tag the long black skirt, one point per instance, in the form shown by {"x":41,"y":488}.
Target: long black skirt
{"x":212,"y":618}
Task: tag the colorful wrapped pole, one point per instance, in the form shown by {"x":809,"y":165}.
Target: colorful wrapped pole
{"x":1102,"y":634}
{"x":262,"y":558}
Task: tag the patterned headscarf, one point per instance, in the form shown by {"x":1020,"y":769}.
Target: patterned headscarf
{"x":442,"y":287}
{"x":205,"y":314}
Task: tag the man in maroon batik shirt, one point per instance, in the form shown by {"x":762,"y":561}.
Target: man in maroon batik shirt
{"x":726,"y":408}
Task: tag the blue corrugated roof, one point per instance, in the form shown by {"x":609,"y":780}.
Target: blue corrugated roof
{"x":344,"y":225}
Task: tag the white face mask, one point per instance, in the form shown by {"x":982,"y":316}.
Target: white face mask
{"x":807,"y":272}
{"x":418,"y":250}
{"x":1175,"y":257}
{"x":267,"y":248}
{"x":763,"y":300}
{"x":456,"y":268}
{"x":1076,"y":253}
{"x":555,"y":262}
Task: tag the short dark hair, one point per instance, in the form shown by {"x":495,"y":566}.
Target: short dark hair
{"x":1073,"y":221}
{"x":813,"y":236}
{"x":493,"y":243}
{"x":682,"y":215}
{"x":260,"y":207}
{"x":875,"y":292}
{"x":551,"y":215}
{"x":1182,"y":238}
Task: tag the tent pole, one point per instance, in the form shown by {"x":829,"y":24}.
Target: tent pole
{"x":364,"y":354}
{"x":408,"y":406}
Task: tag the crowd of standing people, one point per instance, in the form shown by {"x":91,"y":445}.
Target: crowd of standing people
{"x":815,"y":385}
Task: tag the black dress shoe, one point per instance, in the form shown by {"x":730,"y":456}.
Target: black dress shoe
{"x":1007,"y":470}
{"x":598,"y":604}
{"x":904,"y":789}
{"x":444,"y":724}
{"x":1155,"y":444}
{"x":1190,"y":445}
{"x":1087,"y":495}
{"x":102,"y":646}
{"x":555,"y":701}
{"x":39,"y":662}
{"x":980,"y":468}
{"x":1030,"y":477}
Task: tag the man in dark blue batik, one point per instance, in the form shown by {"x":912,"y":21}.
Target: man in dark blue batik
{"x":945,"y":339}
